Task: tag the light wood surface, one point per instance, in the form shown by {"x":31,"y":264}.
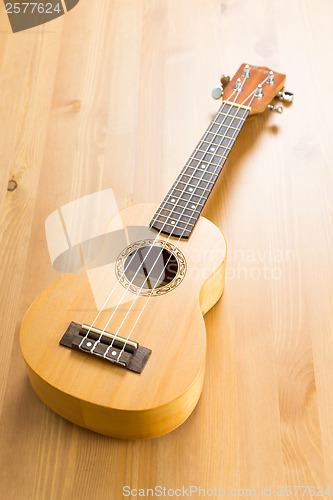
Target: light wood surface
{"x":116,"y":94}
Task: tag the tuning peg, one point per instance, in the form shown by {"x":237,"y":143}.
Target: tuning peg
{"x":284,"y":95}
{"x":277,"y":109}
{"x":217,"y":92}
{"x":225,"y":79}
{"x":270,"y":78}
{"x":238,"y":85}
{"x":258,"y":92}
{"x":246,"y":71}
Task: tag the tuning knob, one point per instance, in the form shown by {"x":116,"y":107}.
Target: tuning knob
{"x":277,"y":109}
{"x":270,"y":78}
{"x":217,"y":92}
{"x":258,"y":91}
{"x":238,"y":85}
{"x":225,"y":79}
{"x":284,"y":95}
{"x":246,"y":71}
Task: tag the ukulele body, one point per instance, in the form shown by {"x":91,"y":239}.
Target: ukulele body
{"x":98,"y":395}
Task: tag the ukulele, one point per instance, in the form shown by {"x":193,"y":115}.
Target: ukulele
{"x":134,"y":368}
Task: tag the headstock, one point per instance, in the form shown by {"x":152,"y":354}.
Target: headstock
{"x":255,"y":87}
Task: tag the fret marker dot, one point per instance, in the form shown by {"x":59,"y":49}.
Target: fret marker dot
{"x":172,"y":222}
{"x":173,"y":200}
{"x":190,"y":189}
{"x":89,"y":344}
{"x":212,"y":149}
{"x":192,"y":206}
{"x":114,"y":353}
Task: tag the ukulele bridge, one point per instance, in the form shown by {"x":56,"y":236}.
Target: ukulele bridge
{"x":107,"y":346}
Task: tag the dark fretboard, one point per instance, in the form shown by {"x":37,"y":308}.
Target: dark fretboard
{"x":180,"y":210}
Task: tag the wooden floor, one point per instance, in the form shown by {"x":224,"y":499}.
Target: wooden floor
{"x":116,"y":94}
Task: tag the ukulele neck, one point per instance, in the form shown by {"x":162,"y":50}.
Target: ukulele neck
{"x":182,"y":206}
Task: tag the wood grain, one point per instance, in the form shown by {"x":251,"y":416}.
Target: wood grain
{"x":116,"y":94}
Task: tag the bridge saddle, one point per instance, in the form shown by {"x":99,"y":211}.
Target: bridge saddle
{"x":106,"y":346}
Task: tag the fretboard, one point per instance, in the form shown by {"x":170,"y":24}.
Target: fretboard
{"x":183,"y":204}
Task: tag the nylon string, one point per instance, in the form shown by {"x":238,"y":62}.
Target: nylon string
{"x":179,"y":219}
{"x":142,"y":242}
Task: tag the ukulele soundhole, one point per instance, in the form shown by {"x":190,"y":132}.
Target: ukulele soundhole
{"x":150,"y":267}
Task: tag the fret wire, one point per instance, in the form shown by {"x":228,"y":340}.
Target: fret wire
{"x":237,"y":105}
{"x":179,"y":206}
{"x":225,"y":137}
{"x":187,"y":224}
{"x":230,"y":116}
{"x":206,"y":164}
{"x":210,"y":163}
{"x":182,"y":191}
{"x":192,"y":210}
{"x":221,"y":125}
{"x":171,"y":218}
{"x":185,"y":232}
{"x":212,"y":152}
{"x":164,"y":227}
{"x":182,"y":199}
{"x":234,"y":105}
{"x":235,"y":126}
{"x":202,"y":169}
{"x":198,"y":178}
{"x":193,"y":186}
